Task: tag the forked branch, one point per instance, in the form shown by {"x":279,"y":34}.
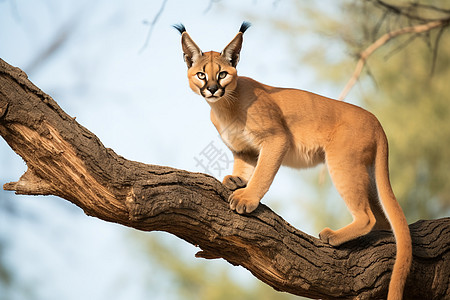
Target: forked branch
{"x":364,"y":55}
{"x":67,"y":160}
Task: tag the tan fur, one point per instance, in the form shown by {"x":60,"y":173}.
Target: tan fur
{"x":266,"y":127}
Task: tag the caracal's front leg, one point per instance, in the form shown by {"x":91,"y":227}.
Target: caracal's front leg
{"x":271,"y":155}
{"x":243,"y":167}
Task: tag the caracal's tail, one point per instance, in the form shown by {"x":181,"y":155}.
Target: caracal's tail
{"x":397,"y":220}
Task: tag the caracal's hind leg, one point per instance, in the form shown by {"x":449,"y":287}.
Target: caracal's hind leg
{"x":351,"y":177}
{"x":382,"y":222}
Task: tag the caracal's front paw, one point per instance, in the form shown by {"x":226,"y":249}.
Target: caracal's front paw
{"x":329,"y":236}
{"x":243,"y":201}
{"x":234,"y":182}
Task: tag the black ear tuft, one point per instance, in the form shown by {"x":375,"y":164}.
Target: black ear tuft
{"x":180,"y":27}
{"x":245,"y":25}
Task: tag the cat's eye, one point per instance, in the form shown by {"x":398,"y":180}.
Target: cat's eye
{"x":222,"y":75}
{"x":201,"y":75}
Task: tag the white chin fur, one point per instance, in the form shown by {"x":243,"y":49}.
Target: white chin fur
{"x":212,"y":99}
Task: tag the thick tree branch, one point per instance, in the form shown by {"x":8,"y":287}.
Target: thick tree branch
{"x":66,"y":160}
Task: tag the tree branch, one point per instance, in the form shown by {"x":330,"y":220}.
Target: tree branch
{"x":67,"y":160}
{"x":413,"y":10}
{"x":364,"y":55}
{"x":152,"y":25}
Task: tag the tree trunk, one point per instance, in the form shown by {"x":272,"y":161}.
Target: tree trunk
{"x":67,"y":160}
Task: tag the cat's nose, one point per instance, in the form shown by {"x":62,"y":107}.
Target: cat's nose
{"x":212,"y":89}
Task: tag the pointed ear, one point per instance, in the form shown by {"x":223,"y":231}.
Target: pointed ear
{"x":191,"y":51}
{"x":233,"y":49}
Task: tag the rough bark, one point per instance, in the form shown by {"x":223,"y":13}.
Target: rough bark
{"x":67,"y":160}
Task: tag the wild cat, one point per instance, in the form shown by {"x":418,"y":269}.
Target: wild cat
{"x":266,"y":127}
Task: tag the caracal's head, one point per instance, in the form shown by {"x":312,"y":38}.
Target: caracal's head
{"x":212,"y":74}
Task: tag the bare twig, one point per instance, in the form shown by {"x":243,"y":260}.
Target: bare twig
{"x":60,"y":40}
{"x":364,"y":55}
{"x":410,"y":11}
{"x":400,"y":47}
{"x":152,"y":25}
{"x":436,"y":47}
{"x":210,"y":5}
